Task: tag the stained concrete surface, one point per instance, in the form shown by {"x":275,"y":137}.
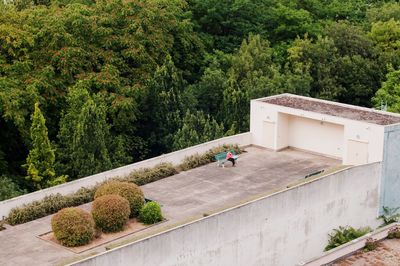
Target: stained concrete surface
{"x":191,"y":193}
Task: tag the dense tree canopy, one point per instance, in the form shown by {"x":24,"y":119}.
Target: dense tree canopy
{"x":119,"y":81}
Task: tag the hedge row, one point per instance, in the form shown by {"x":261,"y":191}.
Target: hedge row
{"x":49,"y":205}
{"x":197,"y":160}
{"x":53,"y":203}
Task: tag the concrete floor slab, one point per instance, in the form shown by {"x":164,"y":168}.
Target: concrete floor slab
{"x":189,"y":194}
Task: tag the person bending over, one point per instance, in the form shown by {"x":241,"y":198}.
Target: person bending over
{"x":229,"y":157}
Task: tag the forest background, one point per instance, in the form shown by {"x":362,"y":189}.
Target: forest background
{"x":86,"y":86}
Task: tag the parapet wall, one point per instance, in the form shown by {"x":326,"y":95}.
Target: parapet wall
{"x":176,"y":157}
{"x":285,"y":228}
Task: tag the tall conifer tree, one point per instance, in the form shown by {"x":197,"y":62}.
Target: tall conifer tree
{"x":41,"y":158}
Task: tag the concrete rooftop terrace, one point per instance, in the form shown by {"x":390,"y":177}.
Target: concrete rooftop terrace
{"x":334,"y":109}
{"x":185,"y":197}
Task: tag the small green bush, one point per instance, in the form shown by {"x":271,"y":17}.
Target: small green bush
{"x":151,"y":213}
{"x":73,"y":227}
{"x":131,"y":192}
{"x":394,"y":233}
{"x":197,"y":160}
{"x":345,"y":234}
{"x":110,"y":212}
{"x":370,"y":244}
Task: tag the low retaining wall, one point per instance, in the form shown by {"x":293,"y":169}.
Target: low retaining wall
{"x":285,"y":228}
{"x":173,"y":157}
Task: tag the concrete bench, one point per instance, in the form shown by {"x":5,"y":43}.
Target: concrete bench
{"x":221,"y":158}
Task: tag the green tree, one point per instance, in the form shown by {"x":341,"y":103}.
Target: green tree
{"x":164,"y":106}
{"x":89,"y":143}
{"x":84,"y":134}
{"x":41,"y":158}
{"x":252,"y":74}
{"x":9,"y":189}
{"x":389,"y":93}
{"x":197,"y":128}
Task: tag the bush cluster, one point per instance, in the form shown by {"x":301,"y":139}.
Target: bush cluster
{"x":110,"y":212}
{"x":345,"y":234}
{"x":151,"y":213}
{"x":197,"y":160}
{"x":73,"y":227}
{"x":54,"y":203}
{"x":131,"y":192}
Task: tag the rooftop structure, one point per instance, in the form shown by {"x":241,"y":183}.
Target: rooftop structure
{"x":349,"y":133}
{"x":335,"y":109}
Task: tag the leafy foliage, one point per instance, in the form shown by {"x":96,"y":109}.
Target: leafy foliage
{"x":110,"y":212}
{"x":370,"y":244}
{"x":343,"y":235}
{"x":131,"y":192}
{"x":151,"y":213}
{"x":122,"y":81}
{"x":389,"y":93}
{"x":8,"y":189}
{"x":390,"y":215}
{"x":197,"y":128}
{"x":147,"y":175}
{"x":73,"y":227}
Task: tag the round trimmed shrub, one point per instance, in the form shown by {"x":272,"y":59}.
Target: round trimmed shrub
{"x":151,"y":213}
{"x":73,"y":227}
{"x":129,"y":191}
{"x":110,"y":212}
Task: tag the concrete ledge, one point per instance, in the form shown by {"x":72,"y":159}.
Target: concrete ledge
{"x":350,"y":247}
{"x":176,"y":157}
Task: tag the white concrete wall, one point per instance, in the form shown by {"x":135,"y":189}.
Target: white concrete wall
{"x":311,"y":133}
{"x":285,"y":228}
{"x":173,"y":157}
{"x":316,"y":136}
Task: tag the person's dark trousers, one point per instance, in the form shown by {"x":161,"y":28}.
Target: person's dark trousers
{"x":232,"y":160}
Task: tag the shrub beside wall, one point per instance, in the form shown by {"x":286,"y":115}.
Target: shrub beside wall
{"x":151,"y":213}
{"x":345,"y":234}
{"x":53,"y":203}
{"x":73,"y":227}
{"x":110,"y":212}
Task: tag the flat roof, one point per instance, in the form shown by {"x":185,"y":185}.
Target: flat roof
{"x":184,"y":196}
{"x":387,"y":253}
{"x":334,"y":109}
